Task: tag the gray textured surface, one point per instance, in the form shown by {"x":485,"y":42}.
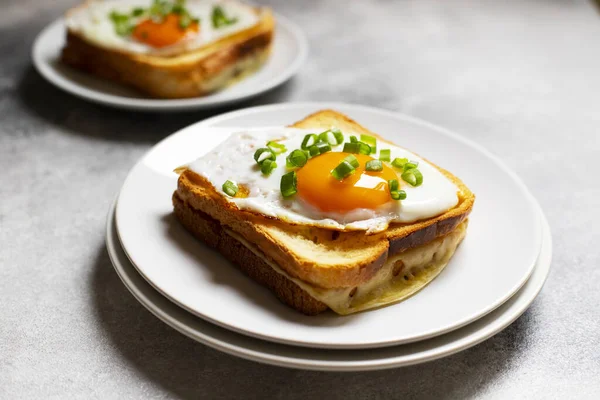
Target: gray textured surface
{"x":520,"y":77}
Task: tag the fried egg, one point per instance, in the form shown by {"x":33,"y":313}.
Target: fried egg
{"x":362,"y":201}
{"x":164,"y":35}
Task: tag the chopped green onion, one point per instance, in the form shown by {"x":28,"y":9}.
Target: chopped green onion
{"x":332,"y":136}
{"x":384,"y":155}
{"x":219,"y":19}
{"x":277,"y":148}
{"x":352,"y":160}
{"x":319,"y":148}
{"x":122,"y":23}
{"x":353,"y":139}
{"x":412,"y":176}
{"x":398,"y":195}
{"x":410,"y":165}
{"x":263,"y":154}
{"x":323,"y":147}
{"x":267,"y":166}
{"x":288,"y":184}
{"x":343,"y":170}
{"x":230,"y":188}
{"x":399,"y":162}
{"x":184,"y":21}
{"x":296,"y":159}
{"x":160,"y":8}
{"x":374,"y":165}
{"x":371,"y":141}
{"x":309,"y":140}
{"x":137,"y":12}
{"x":394,"y":185}
{"x":357,"y":148}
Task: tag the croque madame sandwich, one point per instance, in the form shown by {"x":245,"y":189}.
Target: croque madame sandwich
{"x":325,"y":213}
{"x":168,"y":49}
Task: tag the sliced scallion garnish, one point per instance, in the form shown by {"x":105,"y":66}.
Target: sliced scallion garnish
{"x":184,"y":21}
{"x":230,"y":188}
{"x":219,"y":19}
{"x":384,"y":155}
{"x":319,"y":148}
{"x":343,"y":170}
{"x":277,"y":148}
{"x":371,"y":141}
{"x":353,"y":139}
{"x":122,"y":23}
{"x":357,"y":148}
{"x":352,"y":160}
{"x":323,"y":147}
{"x":309,"y":140}
{"x":313,"y":151}
{"x":398,"y":195}
{"x":138,"y":12}
{"x":264,"y":153}
{"x":412,"y":176}
{"x":332,"y":136}
{"x":288,"y":184}
{"x":267,"y":166}
{"x":374,"y":165}
{"x":399,"y":162}
{"x":395,"y":191}
{"x":296,"y":159}
{"x":410,"y":165}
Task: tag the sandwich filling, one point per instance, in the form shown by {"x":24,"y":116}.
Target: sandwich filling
{"x":400,"y":277}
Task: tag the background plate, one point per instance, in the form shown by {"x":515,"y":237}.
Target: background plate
{"x":331,"y":360}
{"x":493,"y":262}
{"x":290,"y":49}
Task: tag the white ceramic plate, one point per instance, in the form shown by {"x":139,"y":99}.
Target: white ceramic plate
{"x":493,"y":262}
{"x":332,"y":360}
{"x":290,"y":49}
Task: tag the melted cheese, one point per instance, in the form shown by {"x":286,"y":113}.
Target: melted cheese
{"x":400,"y":277}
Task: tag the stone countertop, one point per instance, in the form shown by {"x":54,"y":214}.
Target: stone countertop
{"x":520,"y":77}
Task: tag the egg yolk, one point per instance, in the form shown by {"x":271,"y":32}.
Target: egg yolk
{"x":363,"y":189}
{"x":162,"y":33}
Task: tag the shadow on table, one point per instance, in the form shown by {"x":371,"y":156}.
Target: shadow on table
{"x":189,"y":369}
{"x":81,"y":117}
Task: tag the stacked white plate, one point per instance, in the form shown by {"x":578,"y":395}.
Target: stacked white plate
{"x":494,"y":276}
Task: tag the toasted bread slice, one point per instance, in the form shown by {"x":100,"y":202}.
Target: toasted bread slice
{"x":401,"y":276}
{"x":190,"y":74}
{"x":320,"y":257}
{"x":212,"y":233}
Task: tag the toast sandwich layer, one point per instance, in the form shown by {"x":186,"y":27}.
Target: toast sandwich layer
{"x":191,"y":74}
{"x":329,"y":267}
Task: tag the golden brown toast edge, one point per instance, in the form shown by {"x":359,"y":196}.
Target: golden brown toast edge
{"x":192,"y":74}
{"x":210,"y":232}
{"x":200,"y":194}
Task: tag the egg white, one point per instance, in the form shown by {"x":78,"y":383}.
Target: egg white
{"x":233,"y":160}
{"x":92,"y":21}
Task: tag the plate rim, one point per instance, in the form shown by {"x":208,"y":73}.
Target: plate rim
{"x":499,"y":322}
{"x":164,"y":105}
{"x":346,"y":108}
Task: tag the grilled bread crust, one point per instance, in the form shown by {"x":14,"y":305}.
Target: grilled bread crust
{"x":211,"y":232}
{"x":321,"y":257}
{"x":191,"y":74}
